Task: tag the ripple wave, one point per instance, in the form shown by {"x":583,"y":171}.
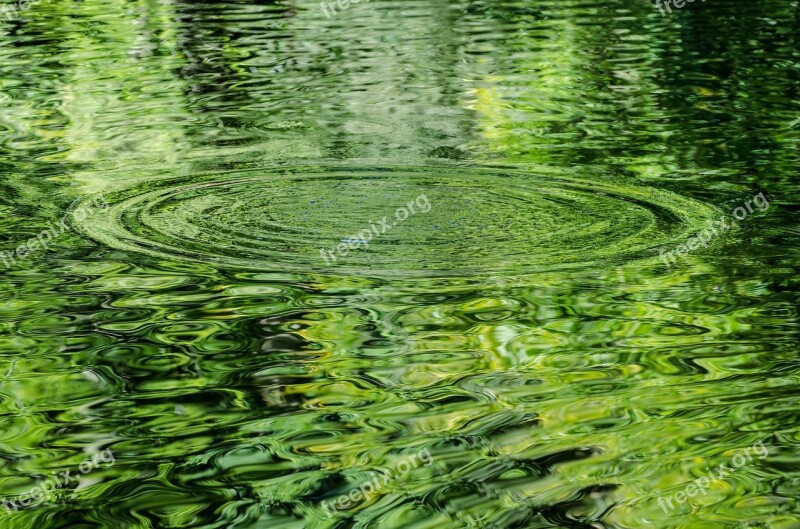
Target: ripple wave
{"x":481,"y":221}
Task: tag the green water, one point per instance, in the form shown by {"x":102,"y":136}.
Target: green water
{"x":418,"y":244}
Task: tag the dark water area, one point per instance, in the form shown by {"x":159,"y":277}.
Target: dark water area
{"x":415,"y":264}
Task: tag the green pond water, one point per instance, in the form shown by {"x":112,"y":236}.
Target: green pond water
{"x":407,"y":264}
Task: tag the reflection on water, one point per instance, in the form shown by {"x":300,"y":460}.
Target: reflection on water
{"x":523,"y":332}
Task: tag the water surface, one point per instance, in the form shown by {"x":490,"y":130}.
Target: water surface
{"x":522,"y":331}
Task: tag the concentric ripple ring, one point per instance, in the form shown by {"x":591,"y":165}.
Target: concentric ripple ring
{"x":458,"y":221}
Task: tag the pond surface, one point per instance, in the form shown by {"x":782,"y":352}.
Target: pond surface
{"x":404,"y":264}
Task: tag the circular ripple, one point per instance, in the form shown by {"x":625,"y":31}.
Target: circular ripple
{"x":460,"y":221}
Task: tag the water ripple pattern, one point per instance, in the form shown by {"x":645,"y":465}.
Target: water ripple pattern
{"x":478,"y":220}
{"x":523,"y":331}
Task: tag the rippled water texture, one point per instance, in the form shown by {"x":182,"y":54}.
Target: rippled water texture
{"x":403,"y":266}
{"x":466,"y":223}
